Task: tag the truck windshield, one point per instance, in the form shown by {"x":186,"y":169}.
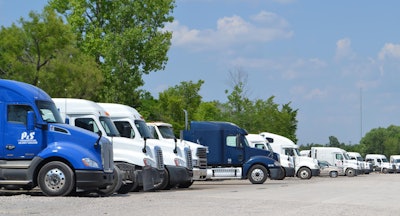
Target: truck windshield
{"x":166,"y":132}
{"x":49,"y":112}
{"x":109,"y":126}
{"x":143,"y":129}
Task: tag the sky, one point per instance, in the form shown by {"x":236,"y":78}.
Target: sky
{"x":336,"y":62}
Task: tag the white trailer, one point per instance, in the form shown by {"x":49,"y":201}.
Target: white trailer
{"x":140,"y":162}
{"x":337,"y":157}
{"x":177,"y":158}
{"x":165,"y":132}
{"x":305,"y":167}
{"x":287,"y":162}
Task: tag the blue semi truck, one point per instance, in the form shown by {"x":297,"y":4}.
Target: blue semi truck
{"x":38,"y":149}
{"x":229,"y":155}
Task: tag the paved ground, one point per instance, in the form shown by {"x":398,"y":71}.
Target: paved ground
{"x":373,"y":194}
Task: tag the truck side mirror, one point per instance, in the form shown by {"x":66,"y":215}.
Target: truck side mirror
{"x":30,"y":120}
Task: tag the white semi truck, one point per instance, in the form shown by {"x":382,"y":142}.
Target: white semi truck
{"x":337,"y":157}
{"x":177,"y":158}
{"x":287,"y":161}
{"x":379,"y":163}
{"x":305,"y":167}
{"x":366,"y":167}
{"x":141,"y":162}
{"x":165,"y":132}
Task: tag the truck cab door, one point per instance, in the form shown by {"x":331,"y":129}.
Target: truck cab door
{"x":20,"y":141}
{"x":234,"y":150}
{"x":338,"y":159}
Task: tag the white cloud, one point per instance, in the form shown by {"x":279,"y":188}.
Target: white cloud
{"x":389,"y":50}
{"x":315,"y":93}
{"x":344,"y":50}
{"x":231,"y":31}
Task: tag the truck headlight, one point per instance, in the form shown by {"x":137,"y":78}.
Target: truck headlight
{"x":179,"y":162}
{"x":90,"y":163}
{"x":149,"y":162}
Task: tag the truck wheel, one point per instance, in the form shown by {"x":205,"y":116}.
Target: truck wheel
{"x":56,"y":179}
{"x":110,"y":189}
{"x":333,"y":174}
{"x":304,"y":173}
{"x":186,"y":184}
{"x":350,"y":172}
{"x":258,"y":174}
{"x":164,"y":184}
{"x":385,"y":170}
{"x":126,"y":188}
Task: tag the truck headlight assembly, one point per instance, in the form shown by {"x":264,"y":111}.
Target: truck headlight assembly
{"x":179,"y":162}
{"x":90,"y":163}
{"x":149,"y":162}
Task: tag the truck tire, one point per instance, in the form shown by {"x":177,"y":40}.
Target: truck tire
{"x":257,"y":174}
{"x":164,"y":184}
{"x":110,"y":189}
{"x":385,"y":170}
{"x":128,"y":183}
{"x":304,"y":173}
{"x":186,"y":184}
{"x":350,"y":172}
{"x":56,"y":179}
{"x":333,"y":174}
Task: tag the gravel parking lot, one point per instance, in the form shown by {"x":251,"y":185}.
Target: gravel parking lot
{"x":373,"y":194}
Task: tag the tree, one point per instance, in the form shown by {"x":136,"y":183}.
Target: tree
{"x":42,"y":51}
{"x":174,"y":100}
{"x":334,"y":142}
{"x":126,"y":38}
{"x":381,"y":141}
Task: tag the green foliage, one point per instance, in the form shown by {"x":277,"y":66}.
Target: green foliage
{"x":173,"y":101}
{"x":42,"y":51}
{"x":381,"y":141}
{"x":126,"y":39}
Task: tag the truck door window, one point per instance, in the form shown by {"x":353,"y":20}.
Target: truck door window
{"x":339,"y":156}
{"x":259,"y":145}
{"x":125,"y":129}
{"x":87,"y":123}
{"x":231,"y":141}
{"x":17,"y":113}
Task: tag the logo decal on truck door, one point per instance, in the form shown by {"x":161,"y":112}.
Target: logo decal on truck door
{"x":27,"y":138}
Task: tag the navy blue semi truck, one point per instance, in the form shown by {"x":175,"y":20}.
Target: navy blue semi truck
{"x":38,"y":149}
{"x":229,"y":155}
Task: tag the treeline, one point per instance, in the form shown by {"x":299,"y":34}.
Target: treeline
{"x":380,"y":140}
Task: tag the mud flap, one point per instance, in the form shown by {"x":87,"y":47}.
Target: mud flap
{"x":148,"y":180}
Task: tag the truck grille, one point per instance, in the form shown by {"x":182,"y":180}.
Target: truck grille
{"x":159,"y":157}
{"x":202,"y":154}
{"x":107,"y":156}
{"x":189,"y":159}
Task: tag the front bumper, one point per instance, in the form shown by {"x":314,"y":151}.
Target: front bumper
{"x":179,"y":175}
{"x":93,"y":179}
{"x":315,"y":172}
{"x":275,"y":173}
{"x":289,"y":171}
{"x":199,"y":174}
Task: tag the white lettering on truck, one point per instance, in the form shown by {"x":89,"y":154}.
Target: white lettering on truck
{"x":27,"y":138}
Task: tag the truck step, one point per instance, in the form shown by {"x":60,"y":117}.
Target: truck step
{"x":226,"y":172}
